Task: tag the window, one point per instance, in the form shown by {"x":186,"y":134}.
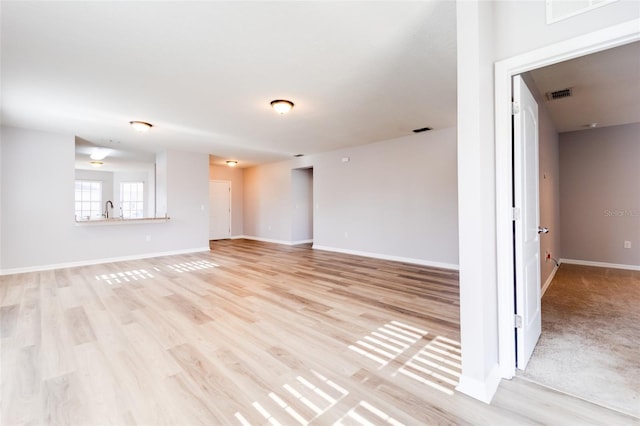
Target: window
{"x":132,"y":199}
{"x":88,"y":199}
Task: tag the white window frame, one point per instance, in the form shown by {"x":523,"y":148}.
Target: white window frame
{"x":125,"y":204}
{"x":94,"y":210}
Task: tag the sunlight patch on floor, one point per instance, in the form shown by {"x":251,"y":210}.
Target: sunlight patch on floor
{"x":388,"y":342}
{"x":366,"y":414}
{"x":436,"y":365}
{"x":143,"y":274}
{"x":124,"y":277}
{"x":192,"y":266}
{"x":317,"y":394}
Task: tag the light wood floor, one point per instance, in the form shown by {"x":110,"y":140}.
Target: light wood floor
{"x":250,"y":333}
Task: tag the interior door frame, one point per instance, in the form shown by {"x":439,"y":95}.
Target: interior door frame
{"x":607,"y":38}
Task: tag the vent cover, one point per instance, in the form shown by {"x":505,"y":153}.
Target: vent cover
{"x":559,"y":94}
{"x":424,"y":129}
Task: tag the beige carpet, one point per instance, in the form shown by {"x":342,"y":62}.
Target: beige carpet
{"x":590,"y":342}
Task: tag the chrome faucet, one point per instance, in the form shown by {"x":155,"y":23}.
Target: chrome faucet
{"x":106,"y":209}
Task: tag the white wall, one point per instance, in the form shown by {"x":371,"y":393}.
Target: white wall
{"x":600,"y":192}
{"x":476,"y":202}
{"x":549,"y":184}
{"x":187,"y":200}
{"x":394,"y":199}
{"x":1,"y":202}
{"x":488,"y":31}
{"x":38,"y":226}
{"x":267,"y":201}
{"x":161,"y":184}
{"x":520,"y":26}
{"x":234,"y":175}
{"x":38,"y":197}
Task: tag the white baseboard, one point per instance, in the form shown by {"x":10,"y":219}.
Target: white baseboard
{"x":481,"y":390}
{"x":600,"y":264}
{"x":99,"y":261}
{"x":547,"y":283}
{"x":389,"y":257}
{"x":294,"y":243}
{"x":270,"y":240}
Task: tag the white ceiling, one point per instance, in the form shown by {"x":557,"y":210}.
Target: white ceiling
{"x":204,"y":73}
{"x":606,"y":89}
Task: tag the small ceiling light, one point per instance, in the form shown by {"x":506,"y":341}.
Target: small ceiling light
{"x":141,"y":126}
{"x":97,"y":163}
{"x":281,"y":106}
{"x":592,"y":125}
{"x":99,"y":154}
{"x":232,"y":163}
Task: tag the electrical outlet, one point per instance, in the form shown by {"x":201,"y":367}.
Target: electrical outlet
{"x":627,"y":244}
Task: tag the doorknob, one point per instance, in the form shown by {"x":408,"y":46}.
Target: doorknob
{"x":543,"y":230}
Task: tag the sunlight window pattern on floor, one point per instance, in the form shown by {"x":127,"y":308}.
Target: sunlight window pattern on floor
{"x":366,"y":414}
{"x":388,"y":342}
{"x":124,"y":277}
{"x":437,"y":365}
{"x":192,"y":266}
{"x":314,"y":396}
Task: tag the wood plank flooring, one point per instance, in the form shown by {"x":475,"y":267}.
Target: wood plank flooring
{"x":249,"y":334}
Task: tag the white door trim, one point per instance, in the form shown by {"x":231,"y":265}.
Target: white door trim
{"x":607,"y":38}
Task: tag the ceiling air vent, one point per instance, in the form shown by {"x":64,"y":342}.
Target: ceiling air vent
{"x":559,"y":94}
{"x":424,"y":129}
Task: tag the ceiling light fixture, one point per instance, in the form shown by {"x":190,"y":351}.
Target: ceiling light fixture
{"x":232,"y":163}
{"x":99,"y":154}
{"x":141,"y":126}
{"x":97,"y":163}
{"x":592,"y":125}
{"x":281,"y":106}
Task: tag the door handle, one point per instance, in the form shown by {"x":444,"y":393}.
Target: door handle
{"x":543,"y":230}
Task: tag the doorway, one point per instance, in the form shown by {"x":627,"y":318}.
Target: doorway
{"x":504,"y":71}
{"x":587,"y":312}
{"x":302,"y":201}
{"x":220,"y":209}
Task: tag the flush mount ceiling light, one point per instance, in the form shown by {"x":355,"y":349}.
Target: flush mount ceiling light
{"x":232,"y":163}
{"x":99,"y":154}
{"x":281,"y":106}
{"x":97,"y":163}
{"x":141,"y":126}
{"x":592,"y":125}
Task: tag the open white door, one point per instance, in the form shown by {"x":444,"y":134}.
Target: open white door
{"x":220,"y":210}
{"x":527,"y":213}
